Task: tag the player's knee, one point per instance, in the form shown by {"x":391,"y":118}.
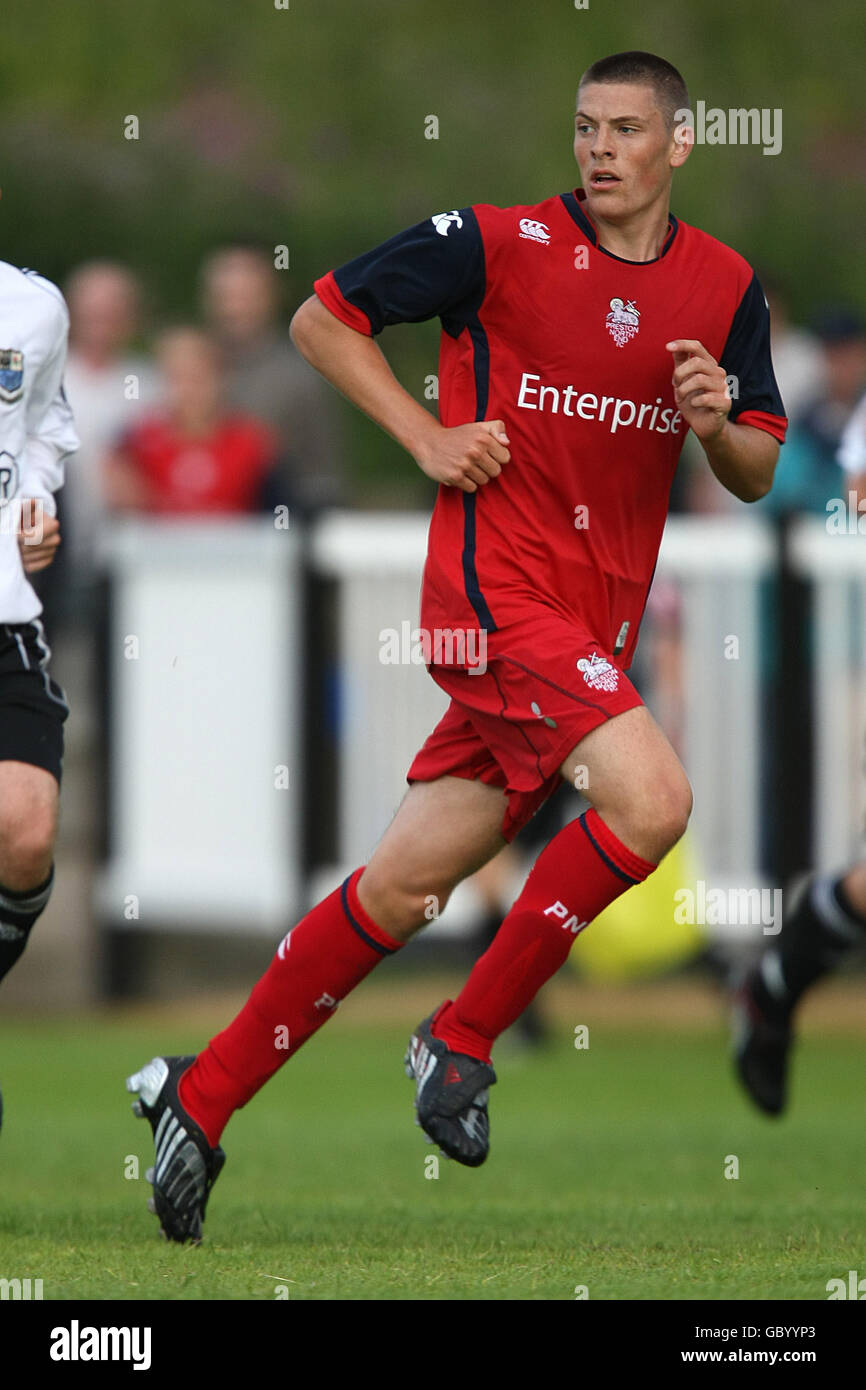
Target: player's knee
{"x":424,"y":904}
{"x":672,"y":812}
{"x":26,"y":850}
{"x":656,"y":815}
{"x":664,"y":813}
{"x":399,"y":905}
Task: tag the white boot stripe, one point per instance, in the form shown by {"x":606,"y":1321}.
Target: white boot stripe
{"x":164,"y":1130}
{"x":168,"y":1151}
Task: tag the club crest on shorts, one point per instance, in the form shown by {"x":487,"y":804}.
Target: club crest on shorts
{"x":11,"y":375}
{"x":598,"y":672}
{"x":623,"y":321}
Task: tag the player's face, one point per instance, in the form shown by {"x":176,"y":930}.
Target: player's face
{"x":624,"y":149}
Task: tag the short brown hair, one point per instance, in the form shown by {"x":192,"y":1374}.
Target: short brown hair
{"x":670,"y":90}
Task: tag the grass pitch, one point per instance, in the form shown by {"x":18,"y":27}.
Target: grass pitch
{"x":607,"y":1168}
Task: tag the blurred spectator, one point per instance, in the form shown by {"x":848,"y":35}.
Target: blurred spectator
{"x":798,"y":361}
{"x":809,"y":473}
{"x":852,"y":449}
{"x":193,"y":455}
{"x":267,"y":377}
{"x":108,"y":386}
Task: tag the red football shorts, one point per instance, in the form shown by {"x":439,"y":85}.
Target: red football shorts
{"x":538,"y":688}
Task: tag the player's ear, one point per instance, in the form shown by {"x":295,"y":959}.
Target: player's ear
{"x":683,"y":138}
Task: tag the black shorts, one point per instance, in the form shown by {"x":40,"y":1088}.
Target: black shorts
{"x":33,"y":708}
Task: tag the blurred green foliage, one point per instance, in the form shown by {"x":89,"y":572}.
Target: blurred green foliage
{"x":305,"y":127}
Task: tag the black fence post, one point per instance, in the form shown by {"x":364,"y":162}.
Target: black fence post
{"x":792,"y":743}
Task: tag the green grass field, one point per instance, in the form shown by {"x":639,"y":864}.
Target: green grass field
{"x":607,"y":1169}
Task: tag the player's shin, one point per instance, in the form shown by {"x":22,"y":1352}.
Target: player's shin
{"x":321,"y":960}
{"x":574,"y":878}
{"x":18,"y":914}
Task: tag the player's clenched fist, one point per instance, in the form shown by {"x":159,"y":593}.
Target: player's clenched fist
{"x":466,"y":456}
{"x":700,"y":388}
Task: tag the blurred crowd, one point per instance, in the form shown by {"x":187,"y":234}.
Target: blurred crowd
{"x":219,"y":416}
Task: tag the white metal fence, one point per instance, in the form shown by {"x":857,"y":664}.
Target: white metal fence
{"x":203,"y":658}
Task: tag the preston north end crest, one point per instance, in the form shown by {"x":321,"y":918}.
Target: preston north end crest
{"x":598,"y":672}
{"x":623,"y":321}
{"x":11,"y":374}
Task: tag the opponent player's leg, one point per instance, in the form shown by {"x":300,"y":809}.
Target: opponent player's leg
{"x":28,"y":827}
{"x":443,"y":831}
{"x":824,"y":921}
{"x":32,"y":713}
{"x":640,"y":805}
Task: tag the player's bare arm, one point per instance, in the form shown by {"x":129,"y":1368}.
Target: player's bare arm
{"x":742,"y":457}
{"x":38,"y":536}
{"x":463,"y":456}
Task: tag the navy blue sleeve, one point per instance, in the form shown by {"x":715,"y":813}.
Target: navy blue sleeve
{"x":435,"y":268}
{"x":746,"y":356}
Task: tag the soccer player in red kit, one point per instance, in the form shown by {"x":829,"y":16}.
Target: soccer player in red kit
{"x":581,"y":337}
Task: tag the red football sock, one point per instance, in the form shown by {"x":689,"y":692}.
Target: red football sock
{"x":321,"y":960}
{"x":583,"y":869}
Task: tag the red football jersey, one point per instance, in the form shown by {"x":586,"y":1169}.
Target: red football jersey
{"x":565,"y":342}
{"x":220,"y":472}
